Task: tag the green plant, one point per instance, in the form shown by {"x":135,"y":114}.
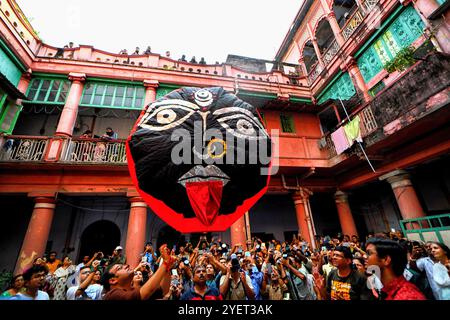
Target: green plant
{"x":401,"y":61}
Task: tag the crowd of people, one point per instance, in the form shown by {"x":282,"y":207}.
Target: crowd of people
{"x":383,"y":267}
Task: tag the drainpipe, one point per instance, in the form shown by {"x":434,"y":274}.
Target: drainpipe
{"x":307,"y":207}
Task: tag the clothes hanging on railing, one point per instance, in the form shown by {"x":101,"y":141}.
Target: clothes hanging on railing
{"x":340,"y":140}
{"x":353,"y":131}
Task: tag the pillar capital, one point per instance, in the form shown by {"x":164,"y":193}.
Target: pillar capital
{"x":75,"y":76}
{"x":137,"y":202}
{"x":151,"y":83}
{"x":397,"y":178}
{"x":341,"y":197}
{"x":302,"y":195}
{"x":348,"y":63}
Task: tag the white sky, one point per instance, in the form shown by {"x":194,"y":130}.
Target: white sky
{"x":201,"y":28}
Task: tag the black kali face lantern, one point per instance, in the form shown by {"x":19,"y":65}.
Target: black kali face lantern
{"x":200,"y":158}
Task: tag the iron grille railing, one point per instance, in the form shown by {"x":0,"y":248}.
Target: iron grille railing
{"x":315,"y":72}
{"x":23,"y":148}
{"x":329,"y":54}
{"x":95,"y":151}
{"x":353,"y":23}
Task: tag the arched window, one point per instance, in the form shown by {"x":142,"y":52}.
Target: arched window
{"x":324,"y":35}
{"x":309,"y":55}
{"x":343,"y":9}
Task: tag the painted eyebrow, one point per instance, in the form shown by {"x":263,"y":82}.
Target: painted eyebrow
{"x":172,"y":102}
{"x":233,"y":109}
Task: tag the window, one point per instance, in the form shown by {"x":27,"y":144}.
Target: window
{"x":377,"y":88}
{"x":287,"y":123}
{"x":9,"y":113}
{"x":113,"y":95}
{"x":401,"y":33}
{"x":48,"y":90}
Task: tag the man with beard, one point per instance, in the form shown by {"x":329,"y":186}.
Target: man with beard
{"x":117,"y":281}
{"x":200,"y":291}
{"x":52,"y":262}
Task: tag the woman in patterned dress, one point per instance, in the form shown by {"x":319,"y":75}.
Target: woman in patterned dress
{"x":60,"y":277}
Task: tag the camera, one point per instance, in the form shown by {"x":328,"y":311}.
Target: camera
{"x":186,"y":262}
{"x":235,"y":265}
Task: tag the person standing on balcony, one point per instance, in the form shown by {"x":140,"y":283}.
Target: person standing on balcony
{"x":87,"y":134}
{"x":109,"y":134}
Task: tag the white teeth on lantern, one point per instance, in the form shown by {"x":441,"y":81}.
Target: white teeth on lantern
{"x":200,"y":173}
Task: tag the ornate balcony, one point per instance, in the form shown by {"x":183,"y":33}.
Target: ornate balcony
{"x":357,"y":17}
{"x":24,"y":148}
{"x":329,"y":54}
{"x":368,"y":125}
{"x":315,"y":72}
{"x":418,"y":92}
{"x":95,"y":151}
{"x":75,"y":151}
{"x":353,"y":23}
{"x":369,"y":5}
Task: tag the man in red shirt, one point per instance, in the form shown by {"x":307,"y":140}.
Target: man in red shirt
{"x":391,"y":258}
{"x":119,"y":278}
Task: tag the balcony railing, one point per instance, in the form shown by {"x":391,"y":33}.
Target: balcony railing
{"x":368,"y":125}
{"x":353,"y":23}
{"x":369,"y":5}
{"x":406,"y":98}
{"x":329,"y":54}
{"x":315,"y":72}
{"x":95,"y":151}
{"x":23,"y":148}
{"x":357,"y":18}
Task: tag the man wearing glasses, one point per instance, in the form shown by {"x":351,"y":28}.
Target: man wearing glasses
{"x":345,"y":282}
{"x":34,"y":279}
{"x":86,"y":290}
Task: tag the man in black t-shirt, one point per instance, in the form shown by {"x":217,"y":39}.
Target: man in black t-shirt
{"x":344,"y":282}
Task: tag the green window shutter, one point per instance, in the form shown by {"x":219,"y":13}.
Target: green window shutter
{"x":139,"y":100}
{"x":47,"y":90}
{"x":120,"y":93}
{"x":287,"y":123}
{"x":441,"y":2}
{"x":8,"y":68}
{"x":377,"y":88}
{"x":342,"y":88}
{"x":369,"y":64}
{"x":112,"y":95}
{"x":88,"y":91}
{"x":401,"y":33}
{"x":407,"y":27}
{"x":8,"y":117}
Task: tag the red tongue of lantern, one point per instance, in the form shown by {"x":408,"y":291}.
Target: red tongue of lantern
{"x":205,"y":197}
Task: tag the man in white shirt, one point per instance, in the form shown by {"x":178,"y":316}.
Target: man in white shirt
{"x":34,"y":279}
{"x":86,"y":290}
